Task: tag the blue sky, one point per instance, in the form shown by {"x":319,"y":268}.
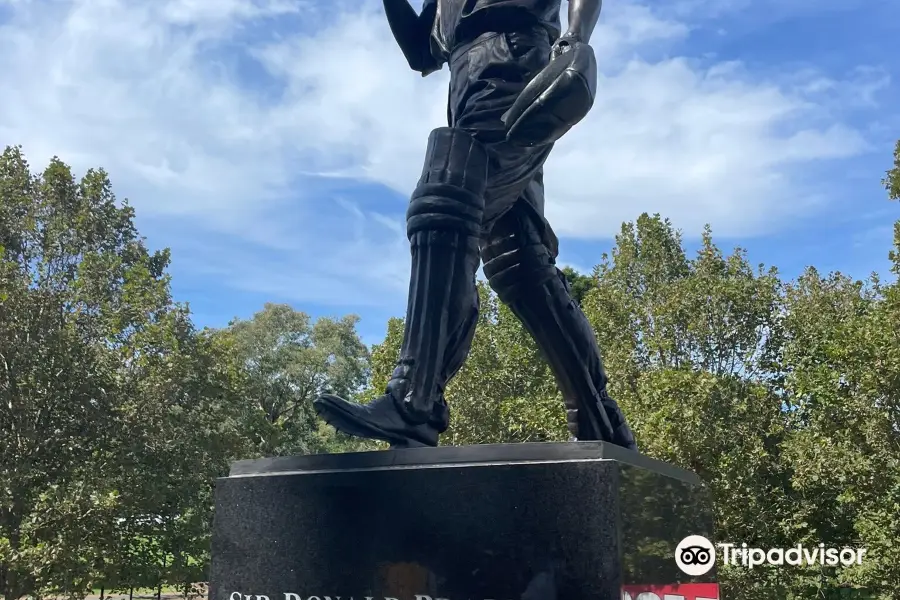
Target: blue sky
{"x":272,"y":144}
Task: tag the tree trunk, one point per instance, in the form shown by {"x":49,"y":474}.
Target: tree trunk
{"x":11,"y":525}
{"x":4,"y":585}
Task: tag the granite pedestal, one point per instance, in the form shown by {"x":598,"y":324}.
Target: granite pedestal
{"x":568,"y":521}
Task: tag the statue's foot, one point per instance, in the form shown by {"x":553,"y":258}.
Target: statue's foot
{"x":622,"y":434}
{"x":378,"y":420}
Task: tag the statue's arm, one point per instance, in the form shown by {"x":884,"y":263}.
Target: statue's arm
{"x":583,"y":17}
{"x":413,"y":32}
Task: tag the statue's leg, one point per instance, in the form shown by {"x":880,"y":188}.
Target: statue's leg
{"x":444,"y":222}
{"x":519,"y":246}
{"x":443,"y":225}
{"x":522,"y":270}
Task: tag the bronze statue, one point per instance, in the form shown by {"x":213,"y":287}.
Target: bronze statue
{"x":517,"y":84}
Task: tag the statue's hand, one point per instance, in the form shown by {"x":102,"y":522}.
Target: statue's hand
{"x":565,"y":43}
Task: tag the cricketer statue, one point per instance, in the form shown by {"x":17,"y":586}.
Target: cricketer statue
{"x":517,"y":84}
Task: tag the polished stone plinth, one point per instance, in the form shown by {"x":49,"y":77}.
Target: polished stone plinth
{"x":567,"y":521}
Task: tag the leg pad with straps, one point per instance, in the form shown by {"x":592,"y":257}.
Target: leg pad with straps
{"x":443,"y":225}
{"x":523,"y":273}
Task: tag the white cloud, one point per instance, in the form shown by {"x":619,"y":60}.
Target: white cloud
{"x":222,"y":114}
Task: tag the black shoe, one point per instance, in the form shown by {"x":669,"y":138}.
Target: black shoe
{"x":622,"y":434}
{"x":378,"y":420}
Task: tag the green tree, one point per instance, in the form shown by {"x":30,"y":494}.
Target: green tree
{"x":842,"y":363}
{"x":579,"y":284}
{"x":186,"y":429}
{"x":690,"y":345}
{"x":288,"y":361}
{"x":891,"y":181}
{"x":840,"y":445}
{"x":112,"y":411}
{"x":383,"y":359}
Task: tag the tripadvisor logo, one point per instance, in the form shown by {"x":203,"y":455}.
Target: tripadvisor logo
{"x":695,"y":555}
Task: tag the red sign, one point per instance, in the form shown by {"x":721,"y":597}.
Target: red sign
{"x":685,"y":591}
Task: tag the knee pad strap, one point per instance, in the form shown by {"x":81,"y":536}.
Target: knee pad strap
{"x":515,"y":264}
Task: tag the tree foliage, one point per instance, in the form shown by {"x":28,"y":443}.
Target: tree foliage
{"x":287,"y":360}
{"x":579,"y":284}
{"x":891,"y":181}
{"x":113,"y":411}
